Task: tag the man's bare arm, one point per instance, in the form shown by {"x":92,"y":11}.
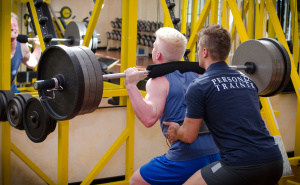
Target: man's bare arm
{"x":148,"y":109}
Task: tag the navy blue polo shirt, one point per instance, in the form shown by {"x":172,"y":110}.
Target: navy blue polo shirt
{"x":228,"y":101}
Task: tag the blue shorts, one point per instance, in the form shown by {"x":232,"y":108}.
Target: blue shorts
{"x":160,"y":170}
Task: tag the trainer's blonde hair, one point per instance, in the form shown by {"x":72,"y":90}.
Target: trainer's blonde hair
{"x":173,"y":43}
{"x":14,"y":15}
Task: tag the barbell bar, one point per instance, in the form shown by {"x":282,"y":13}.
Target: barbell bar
{"x":73,"y":36}
{"x":70,"y":80}
{"x":58,"y":81}
{"x":47,"y":38}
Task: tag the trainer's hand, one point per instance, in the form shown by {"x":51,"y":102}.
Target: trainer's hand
{"x":172,"y":131}
{"x":132,"y":75}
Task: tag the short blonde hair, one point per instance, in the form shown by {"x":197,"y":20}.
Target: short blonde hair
{"x":174,"y":43}
{"x":14,"y":15}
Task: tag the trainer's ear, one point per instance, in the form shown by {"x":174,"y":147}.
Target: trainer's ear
{"x":204,"y":52}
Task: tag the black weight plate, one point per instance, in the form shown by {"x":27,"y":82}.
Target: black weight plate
{"x":25,"y":97}
{"x":99,"y":77}
{"x":15,"y":109}
{"x":287,"y":66}
{"x":5,"y":96}
{"x":89,"y":76}
{"x":53,"y":124}
{"x":61,"y":60}
{"x":37,"y":121}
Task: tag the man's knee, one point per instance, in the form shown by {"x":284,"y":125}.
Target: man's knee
{"x":137,"y":179}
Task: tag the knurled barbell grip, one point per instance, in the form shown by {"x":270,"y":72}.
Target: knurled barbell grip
{"x":120,"y":75}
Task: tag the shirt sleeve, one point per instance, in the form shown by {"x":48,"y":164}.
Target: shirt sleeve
{"x":194,"y":101}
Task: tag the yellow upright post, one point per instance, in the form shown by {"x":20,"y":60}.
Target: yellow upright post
{"x":225,"y":15}
{"x":295,"y":38}
{"x":250,"y":26}
{"x":214,"y":12}
{"x":183,"y":17}
{"x":271,"y":31}
{"x":128,"y":59}
{"x":63,"y":152}
{"x":192,"y":54}
{"x":5,"y":7}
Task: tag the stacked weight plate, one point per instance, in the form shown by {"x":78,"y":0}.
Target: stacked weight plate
{"x":15,"y":109}
{"x":5,"y":97}
{"x":37,"y":122}
{"x":83,"y":85}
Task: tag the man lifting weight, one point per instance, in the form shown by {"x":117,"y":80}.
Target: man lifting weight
{"x":20,"y":53}
{"x":165,"y":102}
{"x":249,"y":154}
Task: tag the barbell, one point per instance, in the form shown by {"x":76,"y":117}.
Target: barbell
{"x":70,"y":80}
{"x":73,"y":36}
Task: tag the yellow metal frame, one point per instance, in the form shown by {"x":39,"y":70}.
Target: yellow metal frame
{"x":128,"y":53}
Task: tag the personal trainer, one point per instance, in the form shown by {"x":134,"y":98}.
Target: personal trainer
{"x":227,"y":101}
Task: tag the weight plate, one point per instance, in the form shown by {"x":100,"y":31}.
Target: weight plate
{"x":5,"y":97}
{"x":75,"y":31}
{"x":52,"y":125}
{"x":67,"y":103}
{"x":287,"y":66}
{"x":269,"y":64}
{"x":89,"y":75}
{"x":15,"y":110}
{"x":36,"y":120}
{"x":98,"y":83}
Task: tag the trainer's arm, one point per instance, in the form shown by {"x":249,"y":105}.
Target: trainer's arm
{"x":148,"y":109}
{"x":187,"y":133}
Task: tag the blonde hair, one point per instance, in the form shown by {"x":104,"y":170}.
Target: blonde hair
{"x":14,"y":15}
{"x":173,"y":43}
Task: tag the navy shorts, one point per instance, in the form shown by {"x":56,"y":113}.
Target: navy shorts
{"x":160,"y":170}
{"x":268,"y":173}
